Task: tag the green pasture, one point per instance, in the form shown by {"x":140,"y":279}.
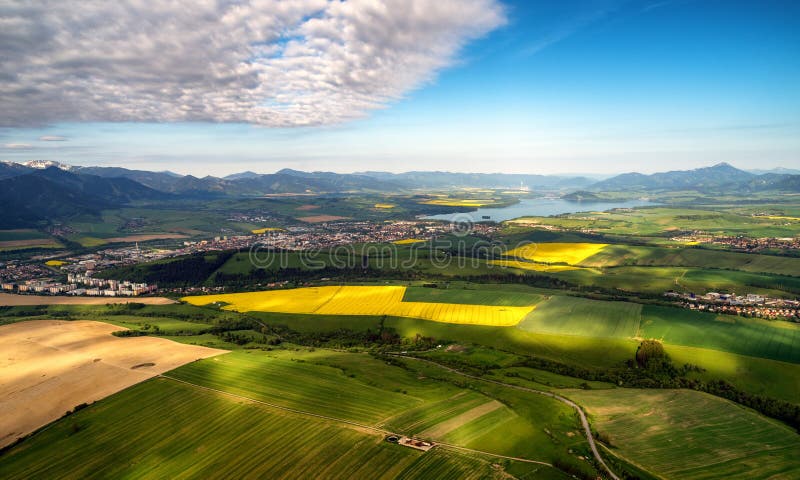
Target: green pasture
{"x":563,"y":315}
{"x":683,"y":434}
{"x":775,"y":340}
{"x":165,"y":429}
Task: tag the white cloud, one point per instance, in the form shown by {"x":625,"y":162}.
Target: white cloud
{"x":17,"y":146}
{"x":268,"y":62}
{"x":52,"y":138}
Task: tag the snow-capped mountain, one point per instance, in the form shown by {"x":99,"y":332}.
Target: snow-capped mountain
{"x":43,"y":164}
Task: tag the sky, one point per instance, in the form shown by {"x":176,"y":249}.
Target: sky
{"x":546,"y":87}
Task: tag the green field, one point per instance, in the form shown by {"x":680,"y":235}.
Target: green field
{"x":755,"y":375}
{"x":580,"y":316}
{"x":474,"y":295}
{"x":358,"y":388}
{"x":165,"y":429}
{"x":657,"y":280}
{"x":682,"y":434}
{"x":661,"y":221}
{"x":755,"y":337}
{"x":628,"y":255}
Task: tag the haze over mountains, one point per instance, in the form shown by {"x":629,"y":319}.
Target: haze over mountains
{"x":41,"y":190}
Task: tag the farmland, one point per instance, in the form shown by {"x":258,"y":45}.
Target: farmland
{"x":569,"y":253}
{"x":579,"y":316}
{"x":713,"y":438}
{"x":25,"y":238}
{"x":657,"y":221}
{"x":258,"y":414}
{"x":364,"y":300}
{"x":205,"y":434}
{"x":472,"y":295}
{"x":774,"y":340}
{"x":358,"y":388}
{"x":16,"y":300}
{"x":52,"y":366}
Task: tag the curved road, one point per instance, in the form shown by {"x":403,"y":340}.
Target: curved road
{"x":584,"y":421}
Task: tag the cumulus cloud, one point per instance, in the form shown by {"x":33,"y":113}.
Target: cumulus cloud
{"x":18,"y":146}
{"x":52,"y":138}
{"x":268,"y":62}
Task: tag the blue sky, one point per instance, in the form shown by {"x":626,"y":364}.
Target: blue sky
{"x":555,"y":87}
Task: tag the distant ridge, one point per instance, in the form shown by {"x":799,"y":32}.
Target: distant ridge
{"x":286,"y":181}
{"x":714,"y":177}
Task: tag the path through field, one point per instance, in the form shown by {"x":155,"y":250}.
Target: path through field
{"x":584,"y":421}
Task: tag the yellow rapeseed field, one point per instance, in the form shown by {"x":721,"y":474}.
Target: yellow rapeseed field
{"x":538,"y":267}
{"x":364,"y":300}
{"x":261,"y":231}
{"x":384,"y":205}
{"x":569,"y":253}
{"x":459,"y":202}
{"x":54,"y":263}
{"x":407,"y":241}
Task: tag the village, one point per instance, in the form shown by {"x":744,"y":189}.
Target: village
{"x":749,"y":305}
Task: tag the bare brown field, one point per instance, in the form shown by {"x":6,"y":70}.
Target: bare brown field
{"x":33,"y":242}
{"x":145,"y":237}
{"x":321,"y":218}
{"x":48,"y":367}
{"x":12,"y":300}
{"x":307,"y":207}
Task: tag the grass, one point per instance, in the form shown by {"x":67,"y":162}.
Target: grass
{"x":682,"y":434}
{"x":164,"y":429}
{"x":363,"y":300}
{"x":359,"y":388}
{"x":755,"y":337}
{"x":628,"y":255}
{"x":661,"y":221}
{"x":473,"y":295}
{"x":580,"y":316}
{"x":755,"y":375}
{"x":569,"y":253}
{"x":658,"y":280}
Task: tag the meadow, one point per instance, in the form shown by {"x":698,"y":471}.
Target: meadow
{"x":363,"y":300}
{"x":563,"y":315}
{"x":629,"y":255}
{"x":682,"y":434}
{"x":166,"y":429}
{"x":511,"y":296}
{"x":775,"y":340}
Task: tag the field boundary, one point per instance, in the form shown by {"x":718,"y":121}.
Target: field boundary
{"x":584,"y":421}
{"x":348,"y":422}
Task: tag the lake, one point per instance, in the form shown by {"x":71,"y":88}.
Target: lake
{"x":536,"y":207}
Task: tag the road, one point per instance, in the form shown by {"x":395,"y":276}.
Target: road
{"x":584,"y":421}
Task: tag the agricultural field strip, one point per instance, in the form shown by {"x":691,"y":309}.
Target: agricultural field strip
{"x":584,"y":421}
{"x":347,"y":422}
{"x":365,"y":300}
{"x":553,"y":252}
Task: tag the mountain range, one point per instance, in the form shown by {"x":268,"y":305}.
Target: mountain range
{"x":40,"y":190}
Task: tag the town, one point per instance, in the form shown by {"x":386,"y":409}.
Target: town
{"x":40,"y":275}
{"x":749,"y":305}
